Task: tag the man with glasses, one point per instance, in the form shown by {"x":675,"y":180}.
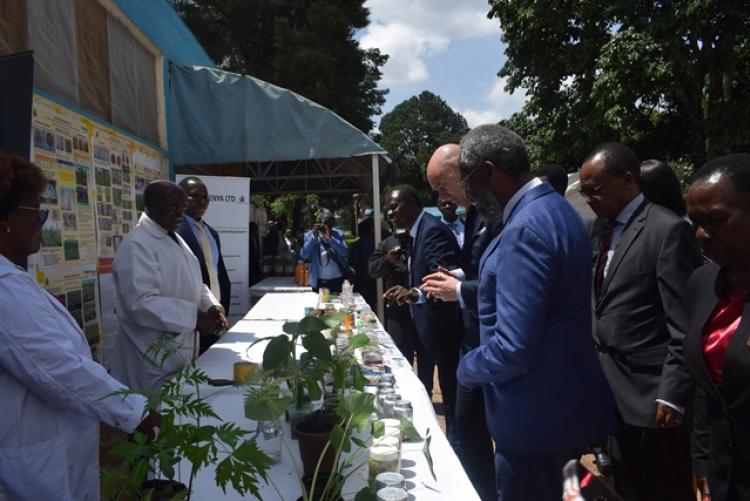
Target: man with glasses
{"x":546,"y":396}
{"x":643,"y":257}
{"x":161,"y":300}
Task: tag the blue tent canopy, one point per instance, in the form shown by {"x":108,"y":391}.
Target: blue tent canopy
{"x":222,"y":118}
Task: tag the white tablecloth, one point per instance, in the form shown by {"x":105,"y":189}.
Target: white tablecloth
{"x":452,"y":484}
{"x":277,"y":284}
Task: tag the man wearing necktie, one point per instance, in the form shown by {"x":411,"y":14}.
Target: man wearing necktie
{"x":643,"y":256}
{"x":204,"y":241}
{"x":448,"y":209}
{"x":476,"y":452}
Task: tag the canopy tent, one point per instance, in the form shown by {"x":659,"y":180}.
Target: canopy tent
{"x":229,"y":124}
{"x":223,"y":123}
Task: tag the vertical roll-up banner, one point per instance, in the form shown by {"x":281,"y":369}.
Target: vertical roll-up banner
{"x":229,"y":214}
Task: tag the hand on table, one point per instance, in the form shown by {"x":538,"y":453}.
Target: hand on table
{"x":441,"y":285}
{"x":399,"y":295}
{"x":667,"y":417}
{"x":212,"y":321}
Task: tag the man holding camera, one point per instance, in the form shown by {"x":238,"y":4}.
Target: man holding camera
{"x":325,"y":250}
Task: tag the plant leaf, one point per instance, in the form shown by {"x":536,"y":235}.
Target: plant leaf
{"x":358,"y":341}
{"x":427,"y":454}
{"x":408,"y":429}
{"x":378,"y":429}
{"x":277,"y":352}
{"x":359,"y":442}
{"x":312,"y":325}
{"x":356,"y":407}
{"x":365,"y":494}
{"x":339,"y":376}
{"x":332,"y":319}
{"x":339,"y":440}
{"x":318,"y":345}
{"x":358,"y":381}
{"x":291,"y":328}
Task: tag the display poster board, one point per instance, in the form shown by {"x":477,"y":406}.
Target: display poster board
{"x":95,"y":180}
{"x":229,"y":214}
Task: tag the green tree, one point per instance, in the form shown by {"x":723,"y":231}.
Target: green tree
{"x":672,"y":79}
{"x":414,"y":129}
{"x":307,"y":46}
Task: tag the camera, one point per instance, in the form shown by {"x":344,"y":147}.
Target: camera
{"x":403,"y":249}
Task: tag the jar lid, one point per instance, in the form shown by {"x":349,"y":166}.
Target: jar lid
{"x":384,"y":453}
{"x":391,"y":423}
{"x":392,"y":494}
{"x":388,"y":440}
{"x":389,"y":479}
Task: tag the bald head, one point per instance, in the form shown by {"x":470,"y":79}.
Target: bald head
{"x":197,"y":197}
{"x":443,"y":174}
{"x":165,"y":203}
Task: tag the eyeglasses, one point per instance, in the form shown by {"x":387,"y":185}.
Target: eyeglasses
{"x":464,"y":181}
{"x":593,"y":192}
{"x":41,"y":214}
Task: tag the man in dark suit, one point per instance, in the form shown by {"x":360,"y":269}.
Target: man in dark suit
{"x":433,"y":246}
{"x":204,"y":241}
{"x":546,"y":395}
{"x":389,"y":262}
{"x":643,"y":256}
{"x":477,"y":454}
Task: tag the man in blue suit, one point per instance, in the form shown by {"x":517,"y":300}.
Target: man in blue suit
{"x":546,"y":394}
{"x":433,"y":245}
{"x":204,"y":241}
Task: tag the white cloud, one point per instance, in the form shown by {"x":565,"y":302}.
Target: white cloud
{"x":410,"y":31}
{"x":499,"y":103}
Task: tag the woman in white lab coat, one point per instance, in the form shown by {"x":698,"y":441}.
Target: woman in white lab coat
{"x":53,"y":395}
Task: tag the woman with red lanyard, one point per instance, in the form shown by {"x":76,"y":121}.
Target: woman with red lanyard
{"x":717,"y":343}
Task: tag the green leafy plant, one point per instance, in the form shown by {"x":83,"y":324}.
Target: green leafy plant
{"x":232,"y":450}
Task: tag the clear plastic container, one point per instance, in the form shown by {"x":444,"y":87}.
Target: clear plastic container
{"x":383,"y":458}
{"x":392,"y":494}
{"x":389,"y":479}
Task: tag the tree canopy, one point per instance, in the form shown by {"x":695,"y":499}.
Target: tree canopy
{"x":414,"y":129}
{"x":307,"y":46}
{"x":671,"y":79}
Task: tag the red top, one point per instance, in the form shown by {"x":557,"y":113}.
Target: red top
{"x":718,"y":333}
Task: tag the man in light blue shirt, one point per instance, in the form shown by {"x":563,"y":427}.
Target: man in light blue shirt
{"x":448,"y":209}
{"x":325,"y":250}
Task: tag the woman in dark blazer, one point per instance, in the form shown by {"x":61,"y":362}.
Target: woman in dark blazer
{"x":717,"y":343}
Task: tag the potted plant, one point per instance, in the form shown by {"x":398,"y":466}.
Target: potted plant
{"x":183,"y":436}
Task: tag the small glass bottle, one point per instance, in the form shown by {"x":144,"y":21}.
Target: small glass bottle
{"x":269,"y":437}
{"x":389,"y":479}
{"x":383,"y":458}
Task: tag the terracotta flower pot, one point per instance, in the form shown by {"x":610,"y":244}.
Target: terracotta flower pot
{"x":163,"y":490}
{"x":319,"y":494}
{"x":312,"y":434}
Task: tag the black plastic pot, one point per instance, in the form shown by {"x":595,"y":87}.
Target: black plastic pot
{"x":162,"y":490}
{"x":318,"y":493}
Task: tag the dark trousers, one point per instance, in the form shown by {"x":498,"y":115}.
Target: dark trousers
{"x":536,"y":477}
{"x":447,"y":367}
{"x":400,"y":326}
{"x":477,"y":454}
{"x":332,"y":284}
{"x":653,"y":464}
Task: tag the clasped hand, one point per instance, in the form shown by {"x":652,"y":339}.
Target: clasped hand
{"x":212,"y":321}
{"x":440,"y":285}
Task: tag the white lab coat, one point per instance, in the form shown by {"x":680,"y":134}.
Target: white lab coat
{"x":159,"y":291}
{"x":52,"y":396}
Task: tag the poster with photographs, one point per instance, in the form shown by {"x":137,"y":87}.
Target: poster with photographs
{"x":91,"y":197}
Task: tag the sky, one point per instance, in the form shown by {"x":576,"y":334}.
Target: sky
{"x":447,"y":47}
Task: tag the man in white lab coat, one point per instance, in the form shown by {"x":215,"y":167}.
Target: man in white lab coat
{"x":161,"y":297}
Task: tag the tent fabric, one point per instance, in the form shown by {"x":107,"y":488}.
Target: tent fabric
{"x":166,"y":30}
{"x":13,"y":32}
{"x":221,"y":118}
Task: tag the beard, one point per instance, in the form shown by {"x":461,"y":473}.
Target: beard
{"x":488,"y":207}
